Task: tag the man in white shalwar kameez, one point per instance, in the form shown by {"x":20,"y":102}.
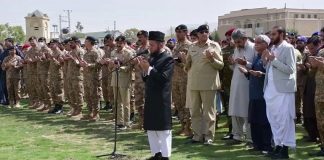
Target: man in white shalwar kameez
{"x":279,"y":94}
{"x":239,"y":92}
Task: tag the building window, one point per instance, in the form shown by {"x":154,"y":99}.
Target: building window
{"x":296,"y":16}
{"x":36,"y":28}
{"x":302,"y":16}
{"x":248,"y":25}
{"x":257,"y":25}
{"x":309,"y":16}
{"x":315,"y":16}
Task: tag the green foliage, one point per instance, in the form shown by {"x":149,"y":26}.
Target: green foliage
{"x":15,"y":32}
{"x":215,"y":35}
{"x":131,"y":34}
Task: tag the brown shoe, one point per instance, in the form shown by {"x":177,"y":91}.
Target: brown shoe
{"x":34,"y":105}
{"x":94,"y":118}
{"x":70,"y":112}
{"x":77,"y":117}
{"x":86,"y":117}
{"x":76,"y":112}
{"x":44,"y":109}
{"x":40,"y":106}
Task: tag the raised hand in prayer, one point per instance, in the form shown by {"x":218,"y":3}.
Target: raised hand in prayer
{"x":256,"y":73}
{"x":243,"y":70}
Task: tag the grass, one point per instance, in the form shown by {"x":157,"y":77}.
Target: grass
{"x":28,"y":135}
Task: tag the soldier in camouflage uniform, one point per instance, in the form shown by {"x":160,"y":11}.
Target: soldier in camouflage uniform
{"x":301,"y":75}
{"x":318,"y":62}
{"x":107,"y":90}
{"x":139,"y":83}
{"x":56,"y":77}
{"x":43,"y":90}
{"x":31,"y":72}
{"x":12,"y":64}
{"x":75,"y":78}
{"x":179,"y":81}
{"x":66,"y":52}
{"x":226,"y":77}
{"x":91,"y":74}
{"x":121,"y":55}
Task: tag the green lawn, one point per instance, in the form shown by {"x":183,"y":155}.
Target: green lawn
{"x":28,"y":135}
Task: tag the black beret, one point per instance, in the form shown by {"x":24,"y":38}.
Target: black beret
{"x":203,"y":28}
{"x":66,"y":41}
{"x":42,"y":39}
{"x":109,"y":36}
{"x":193,"y":32}
{"x":54,"y":41}
{"x":120,"y":39}
{"x":181,"y":27}
{"x":156,"y":36}
{"x":142,"y":32}
{"x":74,"y":39}
{"x":11,"y":40}
{"x":91,"y":39}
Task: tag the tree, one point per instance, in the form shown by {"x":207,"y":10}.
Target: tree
{"x":215,"y":36}
{"x":131,"y":34}
{"x":15,"y":32}
{"x":79,"y":27}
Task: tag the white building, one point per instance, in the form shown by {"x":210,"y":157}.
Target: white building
{"x":37,"y":24}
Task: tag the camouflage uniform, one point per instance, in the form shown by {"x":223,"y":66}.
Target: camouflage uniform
{"x":31,"y":73}
{"x":139,"y":91}
{"x":107,"y":90}
{"x":91,"y":82}
{"x":65,"y":77}
{"x":226,"y":77}
{"x":179,"y":86}
{"x":300,"y":84}
{"x":12,"y":77}
{"x":75,"y":78}
{"x":56,"y":78}
{"x":43,"y":79}
{"x":123,"y":101}
{"x":132,"y":89}
{"x":319,"y":100}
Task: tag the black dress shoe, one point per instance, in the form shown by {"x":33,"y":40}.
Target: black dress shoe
{"x":53,"y":110}
{"x":275,"y":151}
{"x":228,"y":137}
{"x":59,"y":109}
{"x":283,"y":154}
{"x":157,"y":156}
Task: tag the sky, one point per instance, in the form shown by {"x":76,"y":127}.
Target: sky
{"x":99,"y":15}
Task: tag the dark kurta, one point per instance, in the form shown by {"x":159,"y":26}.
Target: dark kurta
{"x":157,"y":107}
{"x":309,"y":95}
{"x":257,"y":104}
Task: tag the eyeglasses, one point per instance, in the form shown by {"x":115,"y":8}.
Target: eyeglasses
{"x":204,"y":31}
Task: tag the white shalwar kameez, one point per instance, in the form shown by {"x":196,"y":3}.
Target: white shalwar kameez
{"x":280,"y":113}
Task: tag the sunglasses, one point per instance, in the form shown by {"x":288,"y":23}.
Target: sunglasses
{"x":204,"y":31}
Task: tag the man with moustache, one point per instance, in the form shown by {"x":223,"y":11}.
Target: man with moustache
{"x":157,"y":75}
{"x":279,"y":92}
